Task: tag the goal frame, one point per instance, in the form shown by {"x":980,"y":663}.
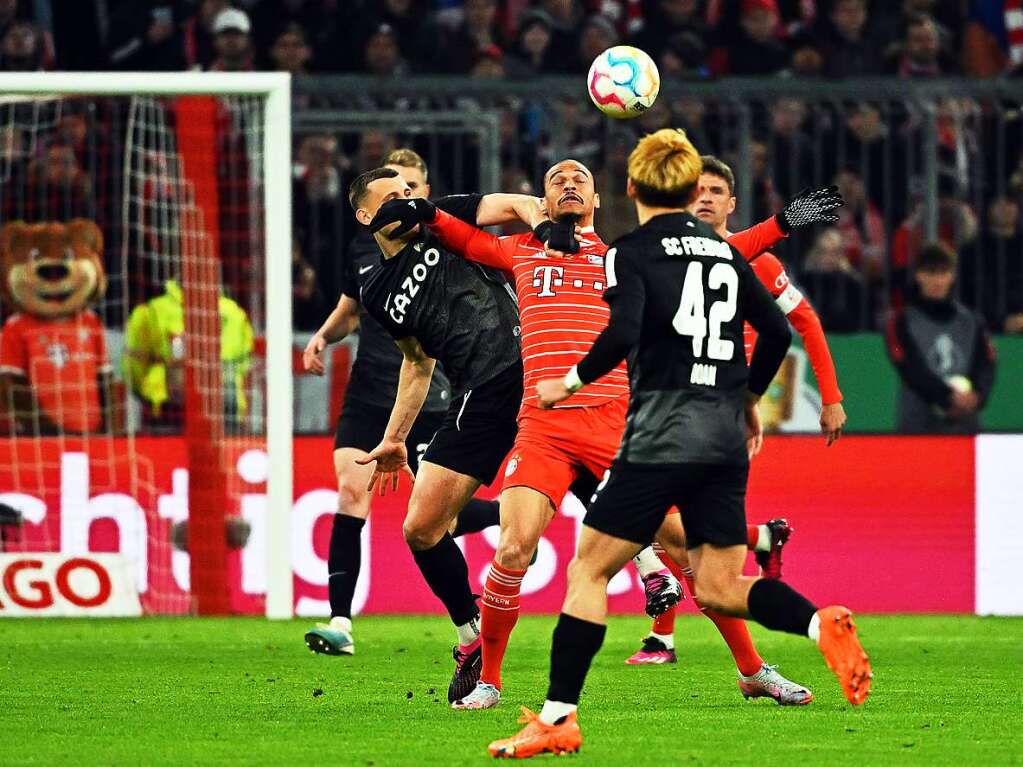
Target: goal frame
{"x":275,"y":87}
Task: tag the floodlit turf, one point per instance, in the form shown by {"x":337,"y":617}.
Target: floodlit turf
{"x":241,"y":691}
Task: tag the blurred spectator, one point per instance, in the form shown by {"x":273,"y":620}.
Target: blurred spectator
{"x":991,"y":272}
{"x":844,"y":43}
{"x":489,"y":63}
{"x":941,"y":351}
{"x":666,"y":20}
{"x":987,"y":49}
{"x":795,"y":15}
{"x":58,"y":188}
{"x":862,"y":227}
{"x":475,"y":36}
{"x":147,"y":36}
{"x":567,"y":16}
{"x":578,"y":132}
{"x":531,"y":53}
{"x":232,"y":41}
{"x":23,"y":48}
{"x":617,"y":213}
{"x":919,"y":53}
{"x":835,"y":288}
{"x":957,"y":227}
{"x":596,"y":36}
{"x":290,"y":52}
{"x":806,"y":61}
{"x":791,"y":150}
{"x":318,"y":203}
{"x":315,"y":21}
{"x":382,"y":56}
{"x":308,"y":307}
{"x":866,"y":143}
{"x":756,"y":49}
{"x":374,"y":146}
{"x":198,"y":35}
{"x":684,"y":56}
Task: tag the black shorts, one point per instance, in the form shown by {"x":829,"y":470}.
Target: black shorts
{"x":634,"y":498}
{"x":479,"y":427}
{"x":362,"y":427}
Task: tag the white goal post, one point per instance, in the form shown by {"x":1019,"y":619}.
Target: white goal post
{"x":275,"y":89}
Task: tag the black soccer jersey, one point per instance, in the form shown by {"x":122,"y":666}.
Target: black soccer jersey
{"x":374,"y":378}
{"x":464,"y":316}
{"x":681,"y":293}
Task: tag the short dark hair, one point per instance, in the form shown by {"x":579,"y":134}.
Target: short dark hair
{"x":936,"y":257}
{"x":659,"y":198}
{"x":718,"y":167}
{"x":357,"y":191}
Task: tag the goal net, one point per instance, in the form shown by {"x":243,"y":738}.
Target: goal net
{"x":137,"y":413}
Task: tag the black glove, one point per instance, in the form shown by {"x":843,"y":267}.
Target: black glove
{"x":410,"y":211}
{"x":811,"y":206}
{"x":558,"y":235}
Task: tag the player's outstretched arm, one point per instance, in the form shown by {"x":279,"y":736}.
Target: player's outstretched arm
{"x":811,"y":206}
{"x":342,"y":321}
{"x":390,"y":455}
{"x":472,"y":242}
{"x":804,"y":319}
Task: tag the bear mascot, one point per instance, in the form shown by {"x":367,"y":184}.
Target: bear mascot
{"x":55,"y":376}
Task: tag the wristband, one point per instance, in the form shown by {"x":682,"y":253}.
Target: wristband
{"x":572,"y":380}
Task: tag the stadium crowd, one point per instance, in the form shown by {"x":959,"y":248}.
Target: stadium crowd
{"x":871,"y":148}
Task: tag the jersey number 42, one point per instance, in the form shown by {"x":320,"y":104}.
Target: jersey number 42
{"x":693,"y":319}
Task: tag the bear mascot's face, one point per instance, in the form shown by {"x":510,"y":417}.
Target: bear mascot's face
{"x":51,"y":271}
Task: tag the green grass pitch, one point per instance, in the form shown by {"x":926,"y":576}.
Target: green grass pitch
{"x":246,"y":691}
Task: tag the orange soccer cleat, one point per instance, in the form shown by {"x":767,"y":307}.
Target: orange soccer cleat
{"x":843,"y":652}
{"x":539,"y":738}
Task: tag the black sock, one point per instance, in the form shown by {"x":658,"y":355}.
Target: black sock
{"x":477,"y":515}
{"x":779,"y":607}
{"x":447,"y":575}
{"x":575,"y":643}
{"x":343,"y":563}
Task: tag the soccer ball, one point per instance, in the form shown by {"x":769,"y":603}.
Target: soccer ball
{"x":623,"y":82}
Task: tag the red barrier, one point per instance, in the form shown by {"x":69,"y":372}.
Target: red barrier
{"x":882,"y":523}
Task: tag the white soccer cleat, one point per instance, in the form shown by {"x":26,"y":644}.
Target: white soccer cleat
{"x":484,"y":696}
{"x":768,"y":683}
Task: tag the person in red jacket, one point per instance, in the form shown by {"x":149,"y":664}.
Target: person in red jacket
{"x":713,"y":203}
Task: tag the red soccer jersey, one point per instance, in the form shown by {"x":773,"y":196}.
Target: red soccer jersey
{"x":61,"y":359}
{"x":804,"y":319}
{"x":561,"y":302}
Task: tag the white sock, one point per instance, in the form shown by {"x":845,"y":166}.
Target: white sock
{"x":667,"y":639}
{"x":814,"y":630}
{"x":763,"y":538}
{"x":553,"y":710}
{"x":647,"y":562}
{"x":468,"y":632}
{"x":340,"y":623}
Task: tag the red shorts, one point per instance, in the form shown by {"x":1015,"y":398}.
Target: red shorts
{"x":553,"y":446}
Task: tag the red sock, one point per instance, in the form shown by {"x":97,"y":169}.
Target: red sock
{"x":499,"y":612}
{"x":734,"y":632}
{"x":752,"y":536}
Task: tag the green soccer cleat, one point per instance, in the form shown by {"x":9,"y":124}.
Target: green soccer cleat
{"x":329,"y":641}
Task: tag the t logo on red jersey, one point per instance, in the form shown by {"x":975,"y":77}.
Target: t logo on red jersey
{"x":545,"y":277}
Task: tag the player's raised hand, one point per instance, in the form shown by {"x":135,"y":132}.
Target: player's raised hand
{"x":391,"y":462}
{"x":409,"y":211}
{"x":832,"y":421}
{"x":551,"y":391}
{"x":811,"y":206}
{"x":312,"y":357}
